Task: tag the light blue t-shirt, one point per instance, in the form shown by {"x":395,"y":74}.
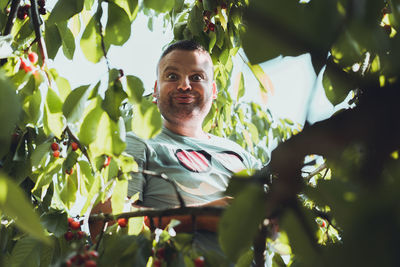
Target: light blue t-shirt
{"x":200,"y":168}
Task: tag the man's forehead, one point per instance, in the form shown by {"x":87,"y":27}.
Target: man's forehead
{"x":198,"y":60}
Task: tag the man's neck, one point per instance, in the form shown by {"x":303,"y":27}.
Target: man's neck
{"x":195,"y":131}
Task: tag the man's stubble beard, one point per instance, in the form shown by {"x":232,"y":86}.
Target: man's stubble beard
{"x":175,"y":112}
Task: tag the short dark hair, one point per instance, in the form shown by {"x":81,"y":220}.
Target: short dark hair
{"x":187,"y":45}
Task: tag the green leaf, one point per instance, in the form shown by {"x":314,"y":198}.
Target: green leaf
{"x":113,"y":99}
{"x":10,"y":108}
{"x":238,"y":87}
{"x":53,"y":120}
{"x":300,"y":240}
{"x":90,"y":124}
{"x":246,"y":259}
{"x":159,"y":6}
{"x":45,"y":177}
{"x":118,"y":28}
{"x":240,"y":222}
{"x":131,"y":7}
{"x":146,"y":121}
{"x":26,"y":252}
{"x":91,"y":42}
{"x":67,"y":39}
{"x":310,"y":27}
{"x":110,"y":140}
{"x":337,"y":83}
{"x":88,"y":178}
{"x":31,"y":107}
{"x":68,"y":192}
{"x":195,"y":21}
{"x":65,"y":9}
{"x":134,"y":89}
{"x":262,"y":77}
{"x":52,"y":39}
{"x":63,"y":86}
{"x":119,"y":195}
{"x":55,"y":221}
{"x":14,"y":204}
{"x":75,"y":103}
{"x":94,"y":190}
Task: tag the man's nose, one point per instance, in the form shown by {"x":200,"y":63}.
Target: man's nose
{"x":184,"y":84}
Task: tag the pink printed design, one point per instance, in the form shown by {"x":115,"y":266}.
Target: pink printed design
{"x":230,"y":160}
{"x":195,"y":161}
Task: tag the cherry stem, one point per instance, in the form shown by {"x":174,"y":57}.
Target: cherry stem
{"x":76,"y":140}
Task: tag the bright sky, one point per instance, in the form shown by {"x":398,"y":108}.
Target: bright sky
{"x":295,"y":83}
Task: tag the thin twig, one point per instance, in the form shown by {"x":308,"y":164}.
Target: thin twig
{"x":103,"y":45}
{"x":316,"y":171}
{"x":11,"y":17}
{"x":36,"y":25}
{"x":105,"y":223}
{"x":165,"y":177}
{"x":150,"y":213}
{"x":76,"y":140}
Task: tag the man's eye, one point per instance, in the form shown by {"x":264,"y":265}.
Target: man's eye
{"x":172,"y":76}
{"x":196,"y":78}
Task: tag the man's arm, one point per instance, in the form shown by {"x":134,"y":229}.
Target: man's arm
{"x":203,"y":222}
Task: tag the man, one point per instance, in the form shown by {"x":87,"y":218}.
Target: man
{"x":200,"y":164}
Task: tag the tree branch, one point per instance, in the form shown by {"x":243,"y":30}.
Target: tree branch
{"x":260,"y":246}
{"x":76,"y":140}
{"x":150,"y":212}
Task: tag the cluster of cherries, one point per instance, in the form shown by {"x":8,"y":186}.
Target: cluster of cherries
{"x":88,"y":257}
{"x":55,"y":147}
{"x":26,"y":65}
{"x":74,"y":230}
{"x":23,"y":11}
{"x":207,"y":18}
{"x":159,"y":256}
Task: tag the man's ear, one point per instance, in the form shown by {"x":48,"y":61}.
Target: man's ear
{"x":155,"y":93}
{"x":214,"y":90}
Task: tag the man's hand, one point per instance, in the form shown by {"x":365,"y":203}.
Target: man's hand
{"x":203,"y":222}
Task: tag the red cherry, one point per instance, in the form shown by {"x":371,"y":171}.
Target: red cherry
{"x":56,"y":154}
{"x":70,"y":220}
{"x":75,"y":225}
{"x":22,"y":64}
{"x":199,"y":261}
{"x":69,"y":171}
{"x":74,"y":146}
{"x":211,"y":26}
{"x":323,"y":224}
{"x":69,"y":236}
{"x":28,"y":68}
{"x":41,"y":3}
{"x":90,"y":263}
{"x":157,"y":263}
{"x":93,"y":254}
{"x":160,"y":253}
{"x":33,"y":57}
{"x":122,"y":222}
{"x":68,"y":263}
{"x":107,"y":161}
{"x":55,"y":146}
{"x":80,"y":234}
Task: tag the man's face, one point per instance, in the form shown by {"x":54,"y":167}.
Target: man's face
{"x":185,"y":87}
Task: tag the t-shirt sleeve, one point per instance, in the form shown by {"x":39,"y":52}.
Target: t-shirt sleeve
{"x":137,"y":148}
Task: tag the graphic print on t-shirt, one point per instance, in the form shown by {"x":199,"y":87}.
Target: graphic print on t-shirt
{"x":195,"y":161}
{"x":230,"y":160}
{"x":200,"y":161}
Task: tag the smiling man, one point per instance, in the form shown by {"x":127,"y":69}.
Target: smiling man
{"x":199,"y":163}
